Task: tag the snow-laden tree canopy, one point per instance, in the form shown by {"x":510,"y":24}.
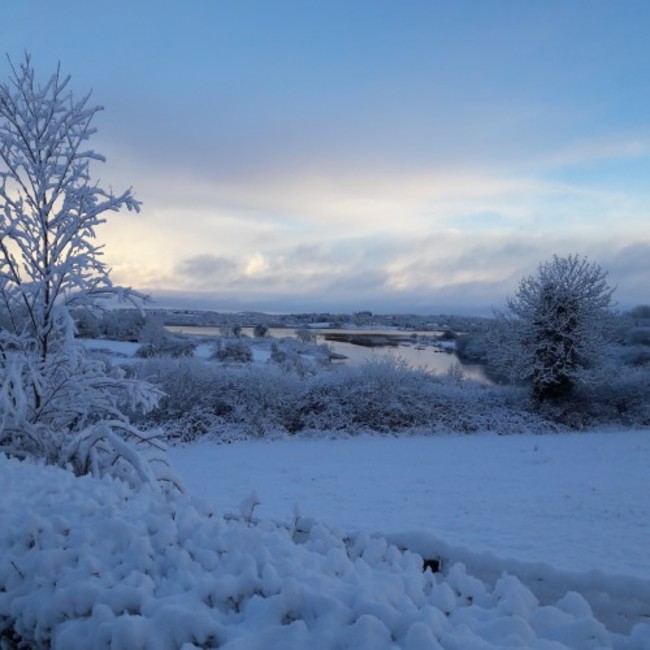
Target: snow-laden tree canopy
{"x":49,"y":261}
{"x":554,"y":333}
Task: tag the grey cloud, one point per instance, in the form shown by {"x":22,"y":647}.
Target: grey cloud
{"x":206,"y":266}
{"x":632,"y":260}
{"x":428,"y":275}
{"x":629,"y":272}
{"x":474,"y":301}
{"x":361,"y":282}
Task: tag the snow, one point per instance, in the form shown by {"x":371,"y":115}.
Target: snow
{"x":537,"y":541}
{"x":117,"y":349}
{"x":577,"y":502}
{"x":562,"y":512}
{"x":87,"y":563}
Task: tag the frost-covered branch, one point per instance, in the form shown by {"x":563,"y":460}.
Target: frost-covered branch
{"x":49,"y":213}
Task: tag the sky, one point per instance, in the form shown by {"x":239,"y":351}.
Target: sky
{"x":343,"y":155}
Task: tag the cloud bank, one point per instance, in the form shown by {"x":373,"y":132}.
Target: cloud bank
{"x":375,"y":155}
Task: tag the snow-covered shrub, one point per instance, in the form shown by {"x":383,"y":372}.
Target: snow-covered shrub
{"x":229,"y":331}
{"x":157,"y":341}
{"x":300,"y":358}
{"x":624,"y":399}
{"x":635,"y":355}
{"x":306,"y":335}
{"x":265,"y":401}
{"x":634,"y":340}
{"x":89,"y":564}
{"x":56,"y":404}
{"x":187,"y":388}
{"x":87,"y":323}
{"x":472,"y":347}
{"x":640,"y":315}
{"x":639,"y":336}
{"x":389,"y":396}
{"x":383,"y":396}
{"x":202,"y":396}
{"x":234,"y":350}
{"x":169,"y":346}
{"x":122,"y":324}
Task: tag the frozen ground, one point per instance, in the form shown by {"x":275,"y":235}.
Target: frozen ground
{"x":576,"y":502}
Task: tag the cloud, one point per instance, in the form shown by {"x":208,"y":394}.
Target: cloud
{"x":440,"y":169}
{"x":206,"y":268}
{"x":446,"y":272}
{"x":312,"y":200}
{"x":627,"y":266}
{"x":329,"y":231}
{"x":393,"y":241}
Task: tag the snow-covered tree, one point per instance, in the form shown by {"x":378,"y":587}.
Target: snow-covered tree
{"x":554,"y":333}
{"x":55,"y":403}
{"x":306,"y":335}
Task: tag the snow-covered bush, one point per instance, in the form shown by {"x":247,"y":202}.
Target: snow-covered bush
{"x":189,"y":406}
{"x":381,"y":395}
{"x":556,"y":329}
{"x":639,"y":336}
{"x":472,"y":347}
{"x":121,"y":324}
{"x":640,"y":315}
{"x":635,"y":355}
{"x":624,"y":399}
{"x":87,"y":323}
{"x":299,"y":357}
{"x":389,"y":396}
{"x":384,"y":396}
{"x":55,"y":403}
{"x":157,"y":341}
{"x":202,"y":396}
{"x":168,"y":346}
{"x":634,"y":334}
{"x":229,"y":331}
{"x":89,"y":564}
{"x":306,"y":335}
{"x":233,"y":350}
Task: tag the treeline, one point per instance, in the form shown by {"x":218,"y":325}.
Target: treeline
{"x":364,"y":319}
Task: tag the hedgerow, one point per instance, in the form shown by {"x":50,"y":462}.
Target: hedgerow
{"x":384,"y":396}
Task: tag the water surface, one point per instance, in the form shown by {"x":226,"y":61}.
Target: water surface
{"x":417,"y":348}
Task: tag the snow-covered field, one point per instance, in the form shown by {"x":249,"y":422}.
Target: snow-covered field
{"x":86,"y":563}
{"x":564,"y":512}
{"x":574,"y":501}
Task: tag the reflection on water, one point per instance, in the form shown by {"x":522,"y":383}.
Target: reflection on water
{"x":415,"y":348}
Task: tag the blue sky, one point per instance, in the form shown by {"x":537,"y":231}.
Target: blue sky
{"x":412,"y":156}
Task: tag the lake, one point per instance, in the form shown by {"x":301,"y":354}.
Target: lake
{"x":419,"y":349}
